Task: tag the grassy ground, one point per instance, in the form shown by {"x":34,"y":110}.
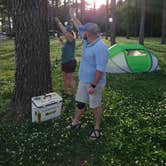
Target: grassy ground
{"x":133,"y":127}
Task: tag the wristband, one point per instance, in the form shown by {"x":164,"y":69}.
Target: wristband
{"x":93,"y":86}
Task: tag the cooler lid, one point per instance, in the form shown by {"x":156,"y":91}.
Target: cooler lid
{"x":48,"y":99}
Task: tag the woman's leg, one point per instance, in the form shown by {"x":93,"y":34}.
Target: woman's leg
{"x":72,"y":83}
{"x":65,"y":81}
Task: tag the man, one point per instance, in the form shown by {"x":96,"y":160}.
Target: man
{"x":92,"y":76}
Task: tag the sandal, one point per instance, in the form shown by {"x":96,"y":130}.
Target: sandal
{"x":73,"y":126}
{"x":95,"y":134}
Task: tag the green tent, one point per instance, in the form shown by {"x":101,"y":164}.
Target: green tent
{"x":131,"y":58}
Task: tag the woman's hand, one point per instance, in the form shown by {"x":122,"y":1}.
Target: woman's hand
{"x":56,"y":19}
{"x":72,"y":12}
{"x":60,"y":39}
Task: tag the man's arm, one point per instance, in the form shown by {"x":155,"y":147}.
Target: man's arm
{"x":97,"y":78}
{"x":75,"y":20}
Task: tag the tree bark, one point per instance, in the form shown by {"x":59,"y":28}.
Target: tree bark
{"x":9,"y":24}
{"x":142,"y":24}
{"x":113,"y":24}
{"x":33,"y":74}
{"x":163,"y":37}
{"x":3,"y":22}
{"x":107,"y":21}
{"x":76,"y":7}
{"x":57,"y":4}
{"x":83,"y":11}
{"x":135,"y":22}
{"x":128,"y":21}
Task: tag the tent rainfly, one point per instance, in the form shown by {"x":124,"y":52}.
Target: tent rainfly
{"x":131,"y":58}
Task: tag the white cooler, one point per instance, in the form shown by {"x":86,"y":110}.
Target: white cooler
{"x":46,"y":107}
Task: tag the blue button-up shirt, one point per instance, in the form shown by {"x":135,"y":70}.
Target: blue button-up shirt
{"x":94,"y":57}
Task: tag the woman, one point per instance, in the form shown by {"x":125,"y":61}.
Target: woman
{"x":68,"y":58}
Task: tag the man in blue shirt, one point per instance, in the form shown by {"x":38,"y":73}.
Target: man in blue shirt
{"x":92,"y":77}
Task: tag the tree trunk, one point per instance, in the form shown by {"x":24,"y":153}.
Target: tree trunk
{"x":113,"y":24}
{"x":151,"y":25}
{"x":64,"y":3}
{"x":128,"y":21}
{"x":67,"y":11}
{"x":3,"y":22}
{"x":136,"y":20}
{"x":76,"y":7}
{"x":64,"y":9}
{"x":107,"y":22}
{"x":52,"y":3}
{"x":83,"y":11}
{"x":56,"y":4}
{"x":94,"y":10}
{"x":163,"y":37}
{"x":33,"y":74}
{"x":9,"y":24}
{"x":56,"y":9}
{"x":142,"y":24}
{"x":94,"y":5}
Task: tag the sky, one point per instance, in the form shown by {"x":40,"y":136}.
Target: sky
{"x":98,"y":2}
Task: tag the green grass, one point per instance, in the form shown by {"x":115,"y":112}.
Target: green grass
{"x":133,"y":124}
{"x":6,"y":73}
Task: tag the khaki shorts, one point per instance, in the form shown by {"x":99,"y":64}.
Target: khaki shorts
{"x":84,"y":97}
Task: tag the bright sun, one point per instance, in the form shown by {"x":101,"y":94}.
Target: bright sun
{"x":98,"y":3}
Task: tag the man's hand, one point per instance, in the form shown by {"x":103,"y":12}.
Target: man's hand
{"x":74,"y":19}
{"x":91,"y":90}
